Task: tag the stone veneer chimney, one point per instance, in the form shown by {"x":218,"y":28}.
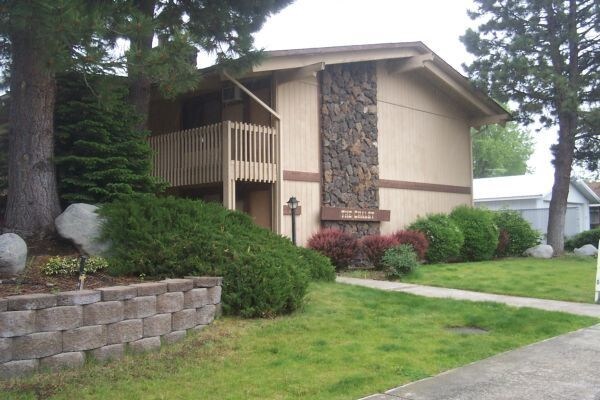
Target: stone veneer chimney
{"x":349,"y":142}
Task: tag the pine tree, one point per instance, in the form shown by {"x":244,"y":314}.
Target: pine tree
{"x":542,"y":54}
{"x":100,"y":153}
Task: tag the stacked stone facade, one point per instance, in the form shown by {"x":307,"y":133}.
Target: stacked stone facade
{"x":49,"y":331}
{"x":349,"y":142}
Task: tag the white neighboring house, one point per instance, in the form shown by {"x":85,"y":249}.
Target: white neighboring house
{"x":530,"y":195}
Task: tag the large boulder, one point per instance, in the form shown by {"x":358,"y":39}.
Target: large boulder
{"x":586,"y":250}
{"x":540,"y":251}
{"x":13,"y":254}
{"x":81,"y":224}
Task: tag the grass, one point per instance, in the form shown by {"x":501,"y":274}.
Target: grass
{"x":345,"y":343}
{"x":566,"y":278}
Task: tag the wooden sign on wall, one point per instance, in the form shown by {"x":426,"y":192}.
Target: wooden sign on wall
{"x":353,"y":214}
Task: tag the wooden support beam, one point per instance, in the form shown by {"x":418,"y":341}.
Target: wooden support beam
{"x":300,"y":73}
{"x":252,"y":95}
{"x":410,"y":64}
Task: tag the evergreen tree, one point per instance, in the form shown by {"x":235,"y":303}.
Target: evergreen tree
{"x":165,"y":37}
{"x":39,"y":38}
{"x":542,"y":54}
{"x":99,"y":151}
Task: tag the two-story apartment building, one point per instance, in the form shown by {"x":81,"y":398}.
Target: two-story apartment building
{"x":366,"y":137}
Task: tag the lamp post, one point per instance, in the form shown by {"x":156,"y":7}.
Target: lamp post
{"x":293,"y":205}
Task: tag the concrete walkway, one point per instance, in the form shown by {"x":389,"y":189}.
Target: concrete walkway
{"x":590,"y":310}
{"x":566,"y":367}
{"x":562,"y":368}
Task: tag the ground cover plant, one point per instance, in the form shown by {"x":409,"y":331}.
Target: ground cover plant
{"x":347,"y":342}
{"x":263,"y":273}
{"x":566,"y":278}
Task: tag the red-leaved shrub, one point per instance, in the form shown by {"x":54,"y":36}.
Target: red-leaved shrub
{"x":339,"y":246}
{"x":373,"y":247}
{"x":416,"y":239}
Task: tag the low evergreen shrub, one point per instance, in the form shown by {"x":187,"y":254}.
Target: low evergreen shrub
{"x":60,"y":265}
{"x":587,"y":237}
{"x":443,"y":235}
{"x":374,"y":246}
{"x":416,"y":239}
{"x":515,"y":234}
{"x":479,"y":231}
{"x":340,"y":247}
{"x":263,"y":273}
{"x":400,"y":260}
{"x":318,"y":266}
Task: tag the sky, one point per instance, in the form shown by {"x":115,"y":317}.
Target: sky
{"x":437,"y":23}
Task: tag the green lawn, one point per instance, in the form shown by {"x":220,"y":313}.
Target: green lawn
{"x":346,"y":342}
{"x":567,"y":278}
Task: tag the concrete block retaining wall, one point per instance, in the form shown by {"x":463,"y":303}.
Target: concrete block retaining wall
{"x":62,"y":330}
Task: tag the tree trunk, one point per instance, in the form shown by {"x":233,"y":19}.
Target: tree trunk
{"x":139,"y":81}
{"x":563,"y":160}
{"x":32,"y":202}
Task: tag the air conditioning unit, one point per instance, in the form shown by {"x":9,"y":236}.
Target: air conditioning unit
{"x":231,"y":94}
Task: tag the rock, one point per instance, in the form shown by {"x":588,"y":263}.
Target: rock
{"x":82,"y":225}
{"x":13,"y":254}
{"x":540,"y":251}
{"x":586,"y":250}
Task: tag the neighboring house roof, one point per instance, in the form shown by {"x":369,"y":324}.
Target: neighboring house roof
{"x":595,"y":186}
{"x":403,"y":57}
{"x":523,"y":187}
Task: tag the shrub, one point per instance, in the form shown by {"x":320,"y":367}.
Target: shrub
{"x":318,"y":267}
{"x":416,"y":239}
{"x":339,"y":246}
{"x":99,"y":151}
{"x":70,"y":265}
{"x":479,"y":230}
{"x":374,"y":246}
{"x":515,"y":234}
{"x":587,"y":237}
{"x":400,"y":260}
{"x":443,"y":235}
{"x":263,"y":273}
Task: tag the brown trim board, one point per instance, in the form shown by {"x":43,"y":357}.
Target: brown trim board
{"x":288,"y":211}
{"x":301,"y":176}
{"x":429,"y":187}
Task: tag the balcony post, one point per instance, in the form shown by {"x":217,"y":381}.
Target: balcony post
{"x":228,"y":175}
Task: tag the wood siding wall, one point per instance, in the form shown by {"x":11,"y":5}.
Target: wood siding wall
{"x":424,"y":138}
{"x":297,"y":102}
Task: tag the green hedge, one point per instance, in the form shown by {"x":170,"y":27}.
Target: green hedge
{"x":479,"y":231}
{"x":515,"y":234}
{"x":588,"y":237}
{"x":263,"y":274}
{"x":444,"y":237}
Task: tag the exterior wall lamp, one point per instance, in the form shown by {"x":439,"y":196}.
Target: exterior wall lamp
{"x":293,"y":205}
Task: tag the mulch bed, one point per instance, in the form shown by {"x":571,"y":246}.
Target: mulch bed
{"x":32,"y":280}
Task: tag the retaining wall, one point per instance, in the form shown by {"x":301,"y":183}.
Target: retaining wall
{"x":39,"y":331}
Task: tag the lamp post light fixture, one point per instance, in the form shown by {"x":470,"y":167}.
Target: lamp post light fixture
{"x":293,"y":205}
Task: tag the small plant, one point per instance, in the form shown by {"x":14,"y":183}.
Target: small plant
{"x":400,"y":261}
{"x":479,"y":231}
{"x":318,"y":266}
{"x":516,"y":234}
{"x":70,"y":265}
{"x":581,"y":239}
{"x":373,"y":247}
{"x":339,"y":246}
{"x":416,"y":239}
{"x":443,"y":235}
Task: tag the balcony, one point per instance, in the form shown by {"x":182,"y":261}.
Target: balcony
{"x":223,"y":152}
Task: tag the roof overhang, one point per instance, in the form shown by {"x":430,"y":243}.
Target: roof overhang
{"x":401,"y":58}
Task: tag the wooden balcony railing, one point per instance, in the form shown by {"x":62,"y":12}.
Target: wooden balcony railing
{"x":199,"y":155}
